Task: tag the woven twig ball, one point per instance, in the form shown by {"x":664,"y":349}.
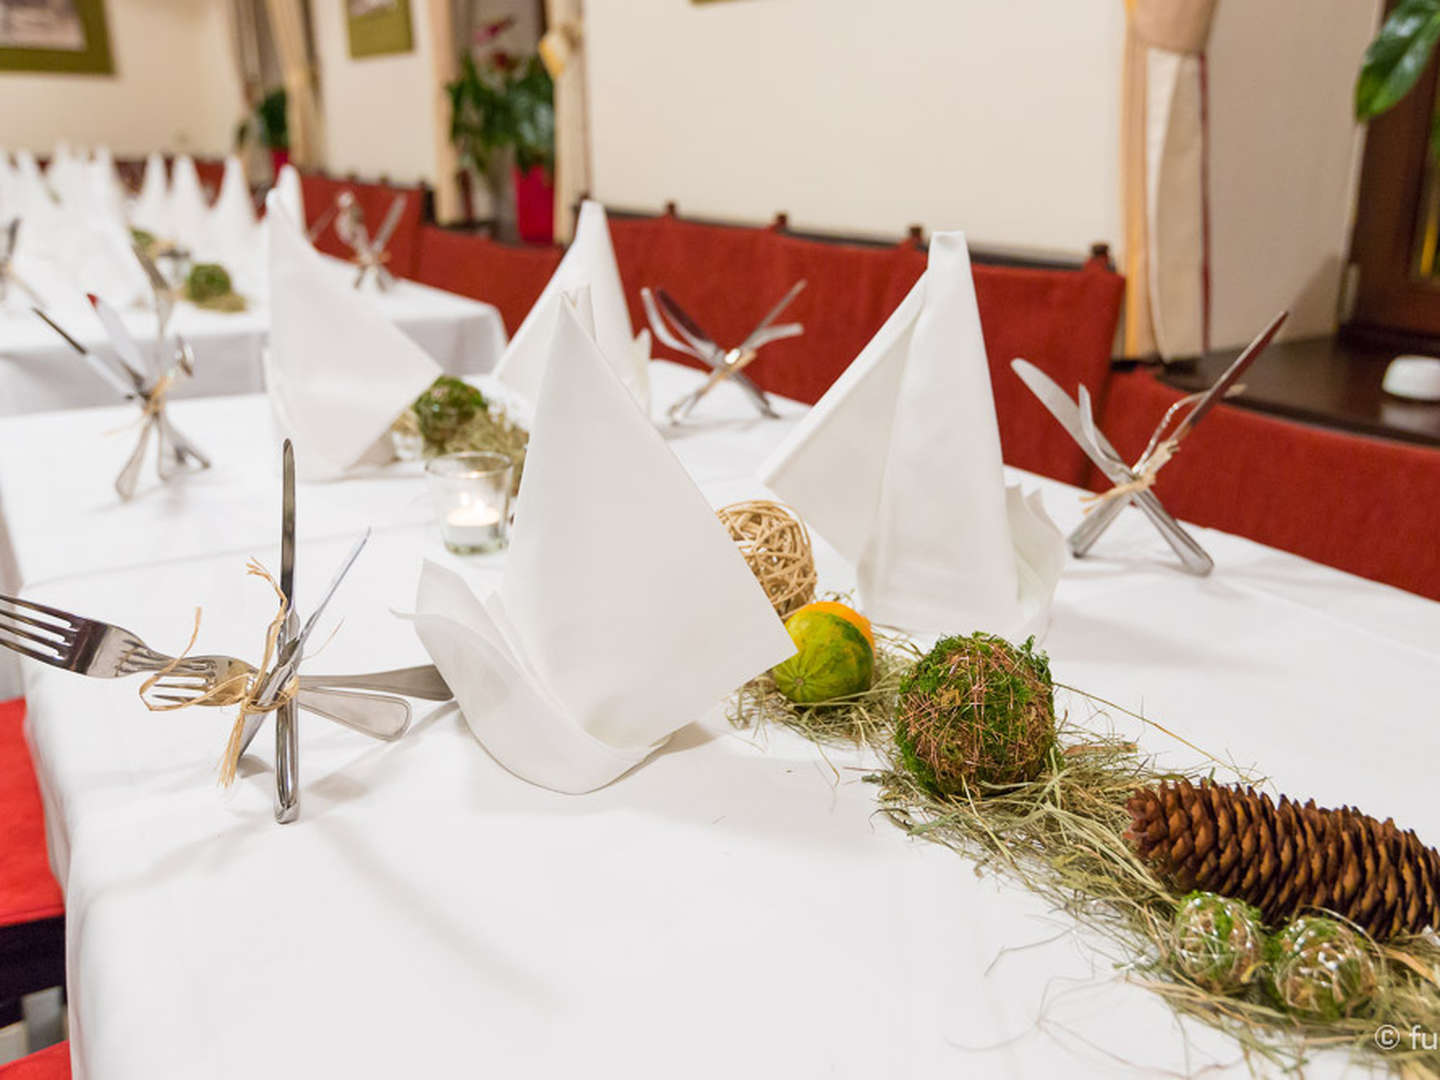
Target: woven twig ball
{"x":776,"y":545}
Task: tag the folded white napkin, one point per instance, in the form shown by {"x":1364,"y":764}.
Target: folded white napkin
{"x":151,"y":210}
{"x":189,"y":213}
{"x":589,"y":263}
{"x":337,"y":371}
{"x":625,"y":611}
{"x":107,"y":190}
{"x":292,"y":198}
{"x":898,"y":467}
{"x":232,"y":234}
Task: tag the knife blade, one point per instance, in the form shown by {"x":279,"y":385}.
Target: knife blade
{"x":700,"y":341}
{"x":124,"y":344}
{"x":662,"y":329}
{"x":387,"y":227}
{"x":1216,"y":393}
{"x":287,"y":735}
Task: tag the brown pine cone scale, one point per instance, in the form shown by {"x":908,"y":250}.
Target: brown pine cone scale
{"x":1285,"y":858}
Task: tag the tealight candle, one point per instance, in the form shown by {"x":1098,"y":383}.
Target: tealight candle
{"x":472,"y":500}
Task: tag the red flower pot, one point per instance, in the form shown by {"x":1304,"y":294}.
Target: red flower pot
{"x":278,"y":160}
{"x":534,"y":205}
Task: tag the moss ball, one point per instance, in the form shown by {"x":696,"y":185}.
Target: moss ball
{"x":976,"y":710}
{"x":1320,"y":969}
{"x":1217,"y":942}
{"x":207,"y":281}
{"x":447,"y":406}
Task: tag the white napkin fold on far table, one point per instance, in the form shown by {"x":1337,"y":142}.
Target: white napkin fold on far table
{"x":188,"y":210}
{"x":151,"y":210}
{"x":898,"y":467}
{"x":589,"y":263}
{"x":232,"y":234}
{"x":625,"y":611}
{"x":292,"y":198}
{"x":337,"y":371}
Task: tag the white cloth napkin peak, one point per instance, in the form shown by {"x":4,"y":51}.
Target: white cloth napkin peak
{"x":232,"y":236}
{"x":337,"y":371}
{"x":625,"y":611}
{"x":188,"y":211}
{"x":151,"y":210}
{"x":898,"y":467}
{"x":292,"y":198}
{"x":590,"y":261}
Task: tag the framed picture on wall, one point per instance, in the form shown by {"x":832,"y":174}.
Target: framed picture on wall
{"x":55,"y":35}
{"x":377,"y":27}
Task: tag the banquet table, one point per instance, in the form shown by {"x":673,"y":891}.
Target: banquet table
{"x":39,"y":372}
{"x":734,"y":906}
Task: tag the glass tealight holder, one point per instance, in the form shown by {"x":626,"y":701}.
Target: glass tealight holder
{"x":471,"y":492}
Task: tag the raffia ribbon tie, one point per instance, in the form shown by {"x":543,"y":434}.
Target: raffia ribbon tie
{"x":370,"y":259}
{"x":1143,"y":481}
{"x":241,"y":689}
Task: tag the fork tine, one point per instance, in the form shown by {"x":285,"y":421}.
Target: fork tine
{"x":61,"y":647}
{"x":172,"y":697}
{"x":14,"y":646}
{"x":65,"y":632}
{"x":63,"y":616}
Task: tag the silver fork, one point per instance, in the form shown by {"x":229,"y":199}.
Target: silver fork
{"x":101,"y":650}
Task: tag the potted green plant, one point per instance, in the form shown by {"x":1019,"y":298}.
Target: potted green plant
{"x":502,"y":111}
{"x":1396,"y":59}
{"x":269,"y":126}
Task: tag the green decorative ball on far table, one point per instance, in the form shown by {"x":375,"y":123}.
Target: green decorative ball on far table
{"x":446,"y":407}
{"x":976,"y":710}
{"x":1320,"y":969}
{"x":207,"y":282}
{"x":1218,"y":943}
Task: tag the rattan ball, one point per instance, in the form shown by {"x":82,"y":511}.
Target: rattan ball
{"x":776,"y":546}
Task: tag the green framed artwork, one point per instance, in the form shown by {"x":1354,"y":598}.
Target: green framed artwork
{"x":377,"y":27}
{"x":65,"y":36}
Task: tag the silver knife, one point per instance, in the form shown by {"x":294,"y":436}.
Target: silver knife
{"x":1060,"y":406}
{"x":1099,"y":520}
{"x":287,"y":733}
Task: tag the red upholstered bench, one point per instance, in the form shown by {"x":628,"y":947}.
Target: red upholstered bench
{"x":1366,"y":505}
{"x":52,"y":1063}
{"x":508,"y":276}
{"x":32,"y":909}
{"x":320,"y":192}
{"x":727,"y":277}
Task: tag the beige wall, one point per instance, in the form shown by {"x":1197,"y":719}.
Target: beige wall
{"x":174,"y":86}
{"x":998,"y":118}
{"x":1285,"y":159}
{"x":379,"y":113}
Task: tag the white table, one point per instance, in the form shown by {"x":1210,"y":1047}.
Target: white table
{"x":39,"y":372}
{"x":733,"y":907}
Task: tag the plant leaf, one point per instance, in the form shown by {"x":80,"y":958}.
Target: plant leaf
{"x":1397,"y":56}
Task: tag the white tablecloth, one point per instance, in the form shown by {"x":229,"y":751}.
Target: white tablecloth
{"x":734,"y":907}
{"x":39,"y":372}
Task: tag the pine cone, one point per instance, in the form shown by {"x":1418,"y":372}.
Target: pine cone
{"x":1287,"y":858}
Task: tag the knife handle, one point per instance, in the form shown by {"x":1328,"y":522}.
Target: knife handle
{"x":1192,"y":556}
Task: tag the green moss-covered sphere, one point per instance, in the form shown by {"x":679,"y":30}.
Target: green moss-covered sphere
{"x":976,"y":710}
{"x":1320,"y":969}
{"x":447,"y":406}
{"x":1217,"y":942}
{"x":207,"y":281}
